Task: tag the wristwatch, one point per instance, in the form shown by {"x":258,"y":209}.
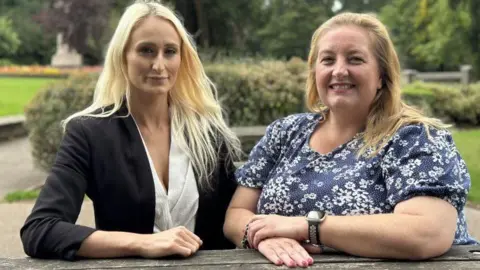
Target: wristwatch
{"x":314,"y":219}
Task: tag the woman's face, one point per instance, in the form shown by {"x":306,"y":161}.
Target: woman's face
{"x":153,"y":56}
{"x":347,"y":73}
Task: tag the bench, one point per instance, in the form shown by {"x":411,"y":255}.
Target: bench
{"x":458,"y":257}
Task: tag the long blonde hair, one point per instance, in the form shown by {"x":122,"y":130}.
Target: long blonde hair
{"x":388,"y":112}
{"x":196,"y":116}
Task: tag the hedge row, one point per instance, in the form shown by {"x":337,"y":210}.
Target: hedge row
{"x":250,"y":93}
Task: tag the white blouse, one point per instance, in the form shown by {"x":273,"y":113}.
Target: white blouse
{"x":178,"y":207}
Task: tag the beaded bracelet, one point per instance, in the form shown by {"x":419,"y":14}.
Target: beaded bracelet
{"x":245,"y":243}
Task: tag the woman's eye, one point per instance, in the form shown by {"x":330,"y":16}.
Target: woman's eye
{"x":170,"y":51}
{"x":327,"y":60}
{"x":146,"y":50}
{"x":356,"y":60}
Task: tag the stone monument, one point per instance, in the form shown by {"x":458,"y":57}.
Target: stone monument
{"x":65,"y":56}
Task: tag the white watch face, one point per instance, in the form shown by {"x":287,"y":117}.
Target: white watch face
{"x":313,"y":215}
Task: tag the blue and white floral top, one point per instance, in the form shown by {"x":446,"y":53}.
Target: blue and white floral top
{"x":296,"y":179}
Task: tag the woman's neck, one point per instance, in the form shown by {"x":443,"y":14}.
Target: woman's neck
{"x":345,"y":124}
{"x":150,"y":111}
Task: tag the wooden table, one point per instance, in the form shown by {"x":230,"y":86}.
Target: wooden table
{"x":459,"y":257}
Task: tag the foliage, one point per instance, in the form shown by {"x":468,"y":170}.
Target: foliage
{"x":257,"y":94}
{"x":36,"y":44}
{"x":432,"y":34}
{"x":44,"y":71}
{"x":251,"y":94}
{"x":82,"y":23}
{"x":290,"y":27}
{"x":9,"y":41}
{"x":455,"y":104}
{"x":51,"y":105}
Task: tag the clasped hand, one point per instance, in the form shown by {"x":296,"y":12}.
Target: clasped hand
{"x":175,"y":241}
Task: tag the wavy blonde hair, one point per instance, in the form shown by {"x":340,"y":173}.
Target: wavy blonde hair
{"x":388,"y":112}
{"x":196,"y":116}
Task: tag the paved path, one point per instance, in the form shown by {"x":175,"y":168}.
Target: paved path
{"x":17,"y":171}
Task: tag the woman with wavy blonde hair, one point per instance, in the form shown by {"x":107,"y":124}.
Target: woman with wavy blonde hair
{"x":363,"y":173}
{"x":152,"y":152}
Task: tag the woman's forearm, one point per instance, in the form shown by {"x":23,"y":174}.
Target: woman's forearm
{"x":103,"y":244}
{"x":235,"y":221}
{"x":399,"y":236}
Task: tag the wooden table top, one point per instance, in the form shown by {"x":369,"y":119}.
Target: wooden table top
{"x":459,"y":257}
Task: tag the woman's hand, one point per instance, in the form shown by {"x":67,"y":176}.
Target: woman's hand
{"x":175,"y":241}
{"x":285,"y":251}
{"x":268,"y":226}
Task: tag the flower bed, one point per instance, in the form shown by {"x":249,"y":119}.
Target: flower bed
{"x":45,"y":71}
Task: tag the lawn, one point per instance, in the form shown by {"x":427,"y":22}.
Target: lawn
{"x":15,"y":93}
{"x":468,"y":143}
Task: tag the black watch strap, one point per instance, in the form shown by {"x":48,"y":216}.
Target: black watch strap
{"x":314,"y":218}
{"x":313,"y":233}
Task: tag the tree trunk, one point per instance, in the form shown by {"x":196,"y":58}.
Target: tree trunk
{"x":202,"y":24}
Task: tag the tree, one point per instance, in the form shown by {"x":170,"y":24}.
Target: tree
{"x":429,"y":34}
{"x":362,"y":5}
{"x":36,"y":44}
{"x":290,"y":26}
{"x":9,"y":41}
{"x":444,"y":42}
{"x":82,"y":23}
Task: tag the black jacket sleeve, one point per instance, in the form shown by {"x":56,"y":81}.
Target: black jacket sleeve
{"x":50,"y":230}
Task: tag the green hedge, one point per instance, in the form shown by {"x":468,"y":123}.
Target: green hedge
{"x":48,"y":108}
{"x":455,"y":104}
{"x":251,"y":94}
{"x":257,"y":94}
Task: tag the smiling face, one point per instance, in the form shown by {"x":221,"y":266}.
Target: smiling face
{"x":346,"y":72}
{"x":153,"y":56}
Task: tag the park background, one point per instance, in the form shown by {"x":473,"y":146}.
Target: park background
{"x":51,"y":52}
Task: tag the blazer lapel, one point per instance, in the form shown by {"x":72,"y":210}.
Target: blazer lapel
{"x":139,"y":165}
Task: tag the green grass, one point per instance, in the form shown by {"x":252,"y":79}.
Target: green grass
{"x":15,"y":93}
{"x":468,"y":143}
{"x":21,"y":195}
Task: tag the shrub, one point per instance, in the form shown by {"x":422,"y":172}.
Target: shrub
{"x":251,"y":94}
{"x":257,"y":94}
{"x":456,"y":104}
{"x":48,"y":108}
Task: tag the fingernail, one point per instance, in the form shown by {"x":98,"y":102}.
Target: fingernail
{"x":305,"y":263}
{"x":310,"y":260}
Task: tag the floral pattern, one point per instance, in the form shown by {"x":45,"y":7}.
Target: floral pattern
{"x":295,"y":179}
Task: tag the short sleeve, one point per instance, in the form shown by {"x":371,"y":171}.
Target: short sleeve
{"x":417,"y":163}
{"x":263,"y":157}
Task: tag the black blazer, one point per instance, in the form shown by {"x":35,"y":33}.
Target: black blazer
{"x":105,"y":159}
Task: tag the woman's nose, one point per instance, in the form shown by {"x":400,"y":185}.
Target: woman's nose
{"x":158,"y":64}
{"x":340,"y":70}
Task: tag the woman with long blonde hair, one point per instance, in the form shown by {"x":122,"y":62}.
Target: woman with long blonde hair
{"x":363,"y":173}
{"x":152,"y":152}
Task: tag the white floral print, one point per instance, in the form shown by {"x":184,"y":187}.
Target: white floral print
{"x":296,"y":179}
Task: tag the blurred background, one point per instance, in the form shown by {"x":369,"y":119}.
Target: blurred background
{"x":51,"y":52}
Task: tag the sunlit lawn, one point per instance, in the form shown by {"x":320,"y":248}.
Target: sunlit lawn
{"x":15,"y":93}
{"x":468,"y":143}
